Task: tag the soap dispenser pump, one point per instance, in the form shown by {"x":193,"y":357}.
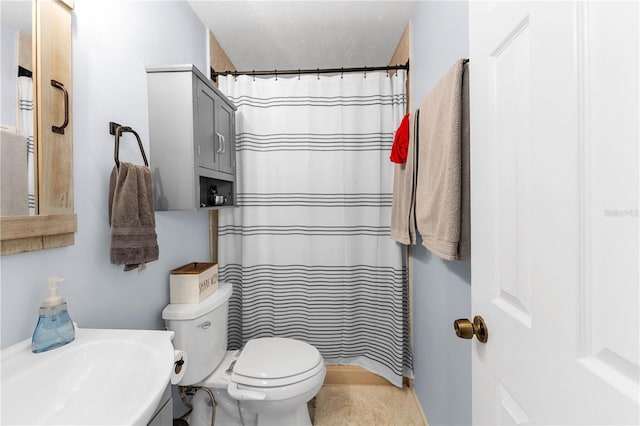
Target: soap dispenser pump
{"x":54,"y":328}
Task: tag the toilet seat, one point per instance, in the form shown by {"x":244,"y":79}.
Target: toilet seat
{"x":276,"y":361}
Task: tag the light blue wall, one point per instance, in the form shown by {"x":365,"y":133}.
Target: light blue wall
{"x":441,"y":289}
{"x":112,"y":43}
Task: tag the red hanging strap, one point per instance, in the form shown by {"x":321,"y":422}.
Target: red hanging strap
{"x":401,"y":142}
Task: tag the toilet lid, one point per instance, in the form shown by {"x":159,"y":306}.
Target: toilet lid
{"x":275,"y":359}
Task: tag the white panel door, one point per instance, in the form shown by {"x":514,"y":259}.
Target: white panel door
{"x":554,"y":200}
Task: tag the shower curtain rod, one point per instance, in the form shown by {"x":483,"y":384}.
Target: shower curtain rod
{"x":215,"y":74}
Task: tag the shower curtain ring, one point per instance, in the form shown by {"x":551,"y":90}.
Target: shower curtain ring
{"x":318,"y":73}
{"x":298,"y":73}
{"x":365,"y":72}
{"x":341,"y":73}
{"x":254,"y":75}
{"x":276,"y":72}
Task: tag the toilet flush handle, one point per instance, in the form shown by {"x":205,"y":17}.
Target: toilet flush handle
{"x":243,"y":394}
{"x":205,"y":325}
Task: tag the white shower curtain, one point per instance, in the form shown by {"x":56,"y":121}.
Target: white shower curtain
{"x":308,"y":249}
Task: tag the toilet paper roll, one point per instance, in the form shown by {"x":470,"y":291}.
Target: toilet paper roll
{"x":179,"y":366}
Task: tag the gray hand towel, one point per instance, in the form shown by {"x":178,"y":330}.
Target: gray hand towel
{"x":442,"y":189}
{"x":132,"y":216}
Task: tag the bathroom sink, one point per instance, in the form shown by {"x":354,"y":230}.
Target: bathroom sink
{"x":114,"y":377}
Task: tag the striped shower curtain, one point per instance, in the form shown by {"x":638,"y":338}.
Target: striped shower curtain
{"x":308,"y":249}
{"x":25,"y":128}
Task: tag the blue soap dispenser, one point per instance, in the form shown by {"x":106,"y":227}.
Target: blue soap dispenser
{"x":54,"y":328}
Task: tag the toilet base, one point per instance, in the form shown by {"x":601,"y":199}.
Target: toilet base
{"x":229,"y":410}
{"x":297,"y":417}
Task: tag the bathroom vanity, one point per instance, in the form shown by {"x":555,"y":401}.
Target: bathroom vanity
{"x":164,"y":414}
{"x":104,"y":376}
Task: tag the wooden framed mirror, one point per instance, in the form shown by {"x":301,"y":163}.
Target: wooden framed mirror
{"x":54,"y":222}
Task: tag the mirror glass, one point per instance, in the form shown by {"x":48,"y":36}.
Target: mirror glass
{"x":17,"y":114}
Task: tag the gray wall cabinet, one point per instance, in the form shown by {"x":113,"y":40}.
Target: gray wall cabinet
{"x":192,"y":140}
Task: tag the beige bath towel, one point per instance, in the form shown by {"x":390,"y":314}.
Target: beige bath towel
{"x":442,"y":190}
{"x":403,"y":219}
{"x":132,"y":216}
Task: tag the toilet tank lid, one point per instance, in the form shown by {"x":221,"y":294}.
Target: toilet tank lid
{"x":188,"y":311}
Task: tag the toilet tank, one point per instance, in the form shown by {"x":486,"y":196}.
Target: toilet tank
{"x":201,"y":331}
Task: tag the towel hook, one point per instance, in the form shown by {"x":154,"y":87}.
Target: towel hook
{"x":117,"y":130}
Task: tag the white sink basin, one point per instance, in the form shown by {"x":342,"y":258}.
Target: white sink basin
{"x":114,"y":377}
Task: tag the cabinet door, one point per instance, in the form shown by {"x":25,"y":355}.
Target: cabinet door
{"x":206,"y":140}
{"x":225,"y":128}
{"x":55,"y":148}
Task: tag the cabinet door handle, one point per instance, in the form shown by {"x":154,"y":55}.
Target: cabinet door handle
{"x":220,"y":149}
{"x":224,"y":144}
{"x":60,"y":129}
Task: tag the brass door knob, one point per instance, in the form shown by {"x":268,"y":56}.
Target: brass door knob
{"x":466,"y":329}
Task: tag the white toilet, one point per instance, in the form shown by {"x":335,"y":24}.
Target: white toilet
{"x":268,"y":382}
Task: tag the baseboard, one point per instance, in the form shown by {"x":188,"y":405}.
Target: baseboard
{"x":424,"y":417}
{"x":352,"y":375}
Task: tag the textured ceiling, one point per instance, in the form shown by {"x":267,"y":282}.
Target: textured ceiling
{"x":265,"y":35}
